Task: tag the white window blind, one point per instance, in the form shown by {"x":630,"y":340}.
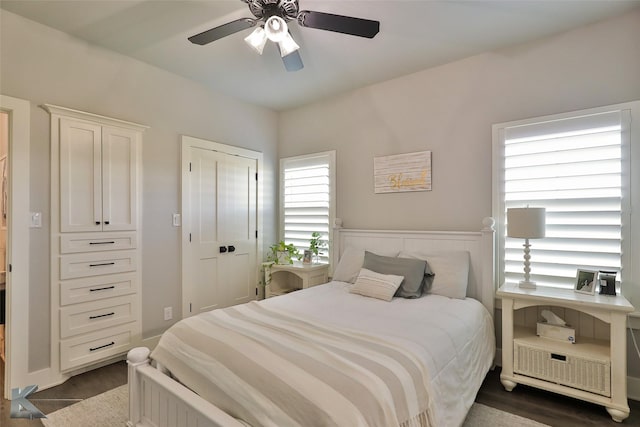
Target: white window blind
{"x":307,"y":200}
{"x":573,"y":168}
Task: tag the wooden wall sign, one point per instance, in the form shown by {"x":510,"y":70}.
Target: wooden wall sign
{"x":402,"y":172}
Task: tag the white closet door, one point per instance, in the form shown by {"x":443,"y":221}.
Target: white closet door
{"x":80,"y":176}
{"x":222,"y":252}
{"x":237,"y":222}
{"x":204,"y":256}
{"x":119,"y":179}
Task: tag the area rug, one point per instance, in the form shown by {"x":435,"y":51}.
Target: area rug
{"x":110,"y":409}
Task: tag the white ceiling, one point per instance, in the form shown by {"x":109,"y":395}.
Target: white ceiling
{"x":414,"y":35}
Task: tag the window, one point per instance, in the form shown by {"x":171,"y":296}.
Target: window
{"x":577,"y":167}
{"x":307,"y":200}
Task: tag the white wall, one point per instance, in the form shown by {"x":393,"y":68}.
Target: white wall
{"x":42,"y":65}
{"x":449,"y":110}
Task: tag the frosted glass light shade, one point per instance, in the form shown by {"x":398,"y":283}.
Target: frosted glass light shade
{"x":288,"y":45}
{"x":257,"y":39}
{"x":276,"y":29}
{"x":526,"y":223}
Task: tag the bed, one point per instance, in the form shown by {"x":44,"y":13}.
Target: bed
{"x":329,"y":356}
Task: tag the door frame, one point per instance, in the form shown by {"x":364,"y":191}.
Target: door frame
{"x":187,"y":143}
{"x":17,"y":291}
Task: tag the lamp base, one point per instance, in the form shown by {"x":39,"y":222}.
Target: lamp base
{"x":526,"y":284}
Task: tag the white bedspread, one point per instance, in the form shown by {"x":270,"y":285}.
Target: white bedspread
{"x":455,"y":338}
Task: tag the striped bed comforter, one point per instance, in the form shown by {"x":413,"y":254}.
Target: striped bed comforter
{"x":271,"y":367}
{"x":325,"y":357}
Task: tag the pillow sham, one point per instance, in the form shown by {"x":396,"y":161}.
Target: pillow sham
{"x":450,"y":269}
{"x":376,"y":285}
{"x":350,"y":264}
{"x":413,"y":271}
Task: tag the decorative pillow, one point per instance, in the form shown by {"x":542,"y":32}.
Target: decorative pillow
{"x":412,"y":270}
{"x":350,"y":263}
{"x":375,"y":285}
{"x":450,"y":269}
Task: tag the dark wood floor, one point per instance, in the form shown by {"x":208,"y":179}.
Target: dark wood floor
{"x":74,"y":390}
{"x":544,"y":407}
{"x":549,"y":408}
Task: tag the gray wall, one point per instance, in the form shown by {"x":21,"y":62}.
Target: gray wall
{"x":42,"y":65}
{"x":450,"y":110}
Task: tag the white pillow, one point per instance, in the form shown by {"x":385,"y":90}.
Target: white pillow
{"x":350,"y":264}
{"x":451,"y":272}
{"x":376,"y":285}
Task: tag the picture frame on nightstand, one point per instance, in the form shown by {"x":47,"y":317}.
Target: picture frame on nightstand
{"x":586,"y":281}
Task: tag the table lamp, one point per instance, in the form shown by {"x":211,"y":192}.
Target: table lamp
{"x":526,"y":223}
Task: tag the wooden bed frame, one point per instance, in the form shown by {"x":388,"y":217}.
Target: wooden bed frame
{"x":155,"y":399}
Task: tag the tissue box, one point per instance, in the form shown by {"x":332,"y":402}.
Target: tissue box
{"x":556,"y":332}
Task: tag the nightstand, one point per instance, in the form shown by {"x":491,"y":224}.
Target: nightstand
{"x":286,"y":278}
{"x":594,"y":368}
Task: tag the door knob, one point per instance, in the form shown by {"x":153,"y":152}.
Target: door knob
{"x":232,"y":248}
{"x":223,"y":249}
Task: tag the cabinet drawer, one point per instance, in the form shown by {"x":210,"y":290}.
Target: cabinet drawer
{"x":582,"y":372}
{"x":95,"y":264}
{"x":94,"y":347}
{"x":92,"y":316}
{"x":96,"y":288}
{"x":96,"y":242}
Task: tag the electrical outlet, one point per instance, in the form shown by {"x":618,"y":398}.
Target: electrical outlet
{"x":168,"y":313}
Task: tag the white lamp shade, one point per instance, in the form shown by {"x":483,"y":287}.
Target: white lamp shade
{"x":526,"y":223}
{"x":276,"y":29}
{"x":257,"y":39}
{"x":287,"y":46}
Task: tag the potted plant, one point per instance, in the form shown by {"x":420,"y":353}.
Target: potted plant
{"x":282,"y":253}
{"x":316,"y":243}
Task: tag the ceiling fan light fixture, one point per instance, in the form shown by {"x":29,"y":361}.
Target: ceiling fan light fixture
{"x":276,"y":29}
{"x":257,"y":39}
{"x":287,"y":45}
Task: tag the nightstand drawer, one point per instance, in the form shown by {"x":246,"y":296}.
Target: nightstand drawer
{"x":96,"y":264}
{"x":96,"y":288}
{"x":581,"y":372}
{"x":92,"y":316}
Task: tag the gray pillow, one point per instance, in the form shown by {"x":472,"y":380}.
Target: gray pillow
{"x":413,"y":271}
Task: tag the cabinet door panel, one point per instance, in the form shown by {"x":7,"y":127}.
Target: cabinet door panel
{"x":80,"y":176}
{"x":119,"y":178}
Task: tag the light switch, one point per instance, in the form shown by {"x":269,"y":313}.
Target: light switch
{"x":176,"y":220}
{"x":36,"y":219}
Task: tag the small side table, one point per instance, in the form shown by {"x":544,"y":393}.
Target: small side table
{"x":594,"y":370}
{"x":287,"y":278}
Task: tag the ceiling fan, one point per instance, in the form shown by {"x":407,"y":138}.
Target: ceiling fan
{"x":271,"y":17}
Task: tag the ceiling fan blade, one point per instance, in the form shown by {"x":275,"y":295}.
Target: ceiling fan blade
{"x":222,"y":31}
{"x":339,"y":23}
{"x":293,"y":62}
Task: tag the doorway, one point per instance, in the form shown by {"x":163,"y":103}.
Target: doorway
{"x":16,"y":112}
{"x":220,"y":223}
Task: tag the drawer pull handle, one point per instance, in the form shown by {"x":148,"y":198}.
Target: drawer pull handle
{"x":102,"y":346}
{"x":104,"y":263}
{"x":106,"y":222}
{"x":559,"y":357}
{"x":101,"y":289}
{"x":101,"y":243}
{"x":102,"y":315}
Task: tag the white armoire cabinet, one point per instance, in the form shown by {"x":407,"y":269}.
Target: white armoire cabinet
{"x":95,"y":244}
